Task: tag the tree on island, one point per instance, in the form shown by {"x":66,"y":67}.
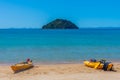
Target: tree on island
{"x":60,"y":24}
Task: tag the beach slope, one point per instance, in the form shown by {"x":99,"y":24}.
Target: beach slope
{"x":60,"y":72}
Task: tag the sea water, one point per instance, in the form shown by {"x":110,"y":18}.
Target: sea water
{"x":59,"y":46}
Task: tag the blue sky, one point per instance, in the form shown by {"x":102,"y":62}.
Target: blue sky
{"x":36,"y":13}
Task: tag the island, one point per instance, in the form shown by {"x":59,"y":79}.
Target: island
{"x":60,"y":24}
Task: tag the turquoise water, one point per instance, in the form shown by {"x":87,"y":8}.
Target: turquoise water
{"x":59,"y":46}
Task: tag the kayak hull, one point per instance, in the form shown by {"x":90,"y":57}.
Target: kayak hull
{"x":21,"y":66}
{"x":96,"y":65}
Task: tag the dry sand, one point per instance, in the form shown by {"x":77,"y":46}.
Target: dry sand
{"x":60,"y":72}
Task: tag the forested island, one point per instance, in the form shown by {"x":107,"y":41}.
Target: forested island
{"x":60,"y":24}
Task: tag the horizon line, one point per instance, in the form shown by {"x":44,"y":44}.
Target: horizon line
{"x":70,"y":29}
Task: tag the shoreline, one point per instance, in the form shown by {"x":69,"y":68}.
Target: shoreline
{"x":56,"y":63}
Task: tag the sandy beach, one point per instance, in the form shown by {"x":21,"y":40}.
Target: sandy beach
{"x":60,"y":72}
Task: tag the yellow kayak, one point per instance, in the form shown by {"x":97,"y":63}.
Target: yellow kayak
{"x":21,"y":66}
{"x":98,"y":65}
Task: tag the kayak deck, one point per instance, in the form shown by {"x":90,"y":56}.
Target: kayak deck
{"x":21,"y":66}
